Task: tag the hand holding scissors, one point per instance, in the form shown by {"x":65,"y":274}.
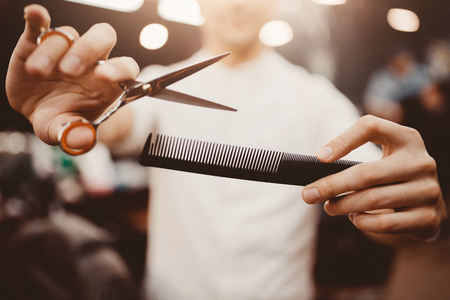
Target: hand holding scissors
{"x":68,"y":81}
{"x":134,"y":90}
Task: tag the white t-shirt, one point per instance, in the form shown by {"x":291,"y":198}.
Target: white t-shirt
{"x":221,"y":238}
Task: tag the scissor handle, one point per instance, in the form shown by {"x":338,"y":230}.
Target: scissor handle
{"x":62,"y":137}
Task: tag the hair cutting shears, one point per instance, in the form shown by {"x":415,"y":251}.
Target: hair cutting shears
{"x":134,"y":90}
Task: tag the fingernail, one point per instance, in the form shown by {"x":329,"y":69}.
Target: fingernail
{"x":311,"y":195}
{"x":324,"y":152}
{"x":329,"y":208}
{"x":351,"y":216}
{"x":71,"y":65}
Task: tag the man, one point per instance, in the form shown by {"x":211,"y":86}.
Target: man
{"x":217,"y":238}
{"x":401,"y":77}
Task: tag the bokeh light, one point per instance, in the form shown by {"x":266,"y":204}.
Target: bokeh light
{"x":120,"y":5}
{"x":181,"y":11}
{"x":276,"y":33}
{"x":403,"y":20}
{"x":153,"y":36}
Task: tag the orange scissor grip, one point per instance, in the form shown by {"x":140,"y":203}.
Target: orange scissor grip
{"x":62,"y":138}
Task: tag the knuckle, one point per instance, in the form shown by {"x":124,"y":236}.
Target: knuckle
{"x":372,"y":199}
{"x":369,"y":123}
{"x":430,"y":219}
{"x":428,"y":164}
{"x":433,"y":191}
{"x":385,"y":226}
{"x":328,"y":189}
{"x":369,"y":175}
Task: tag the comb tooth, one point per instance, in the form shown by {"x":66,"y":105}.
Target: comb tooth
{"x":169,"y":146}
{"x":210,"y":153}
{"x":262,"y":161}
{"x":191,"y":150}
{"x":161,"y":145}
{"x":255,"y":158}
{"x":242,"y":152}
{"x":157,"y":145}
{"x":207,"y":153}
{"x":176,"y":152}
{"x":248,"y":158}
{"x":272,"y":160}
{"x":216,"y":153}
{"x":200,"y":153}
{"x":233,"y":156}
{"x":258,"y":159}
{"x":152,"y":144}
{"x":224,"y":155}
{"x":252,"y":159}
{"x":194,"y":150}
{"x":266,"y":161}
{"x":260,"y":164}
{"x":185,"y":148}
{"x":171,"y":153}
{"x":244,"y":159}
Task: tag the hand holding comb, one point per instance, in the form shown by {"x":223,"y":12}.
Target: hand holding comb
{"x":236,"y":162}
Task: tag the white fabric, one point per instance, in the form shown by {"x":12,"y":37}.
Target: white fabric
{"x":219,"y":238}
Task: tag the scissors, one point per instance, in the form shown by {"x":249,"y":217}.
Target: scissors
{"x":134,"y":90}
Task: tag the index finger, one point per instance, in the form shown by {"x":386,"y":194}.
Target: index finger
{"x":367,"y":129}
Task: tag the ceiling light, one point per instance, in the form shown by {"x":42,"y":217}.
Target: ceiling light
{"x":153,"y":36}
{"x":182,"y":11}
{"x":330,"y":2}
{"x":276,"y":33}
{"x":120,"y":5}
{"x":403,"y":20}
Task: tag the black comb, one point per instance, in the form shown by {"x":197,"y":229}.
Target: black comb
{"x":235,"y":161}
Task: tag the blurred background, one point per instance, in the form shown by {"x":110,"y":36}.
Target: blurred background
{"x":344,"y":40}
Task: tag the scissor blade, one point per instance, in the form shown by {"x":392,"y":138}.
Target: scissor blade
{"x":170,"y":95}
{"x":168,"y":79}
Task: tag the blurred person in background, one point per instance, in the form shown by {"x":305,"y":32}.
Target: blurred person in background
{"x":217,"y":238}
{"x":429,"y":113}
{"x":401,"y":77}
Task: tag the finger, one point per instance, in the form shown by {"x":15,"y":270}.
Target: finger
{"x":410,"y":194}
{"x":44,"y":60}
{"x":366,"y":129}
{"x":48,"y":130}
{"x":357,"y":178}
{"x":119,"y":69}
{"x":420,"y":223}
{"x":94,"y":45}
{"x":37,"y":20}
